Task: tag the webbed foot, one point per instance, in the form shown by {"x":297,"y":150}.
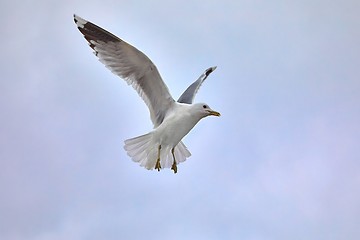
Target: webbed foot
{"x":158,"y":165}
{"x":173,"y":167}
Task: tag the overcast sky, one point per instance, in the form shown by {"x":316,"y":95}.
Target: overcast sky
{"x":282,"y":162}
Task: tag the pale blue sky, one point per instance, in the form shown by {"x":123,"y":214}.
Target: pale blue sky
{"x":282,"y":162}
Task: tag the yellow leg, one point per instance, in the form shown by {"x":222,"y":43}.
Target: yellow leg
{"x":174,"y":167}
{"x":157,"y":165}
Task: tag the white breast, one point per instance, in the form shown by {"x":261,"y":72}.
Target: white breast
{"x":176,"y":125}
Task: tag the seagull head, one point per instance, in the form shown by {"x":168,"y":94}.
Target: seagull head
{"x":204,"y":110}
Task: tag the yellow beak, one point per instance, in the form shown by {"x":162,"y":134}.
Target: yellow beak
{"x":214,"y":113}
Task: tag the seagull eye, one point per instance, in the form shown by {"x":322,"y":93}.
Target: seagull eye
{"x":204,"y":106}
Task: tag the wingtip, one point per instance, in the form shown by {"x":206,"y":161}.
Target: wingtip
{"x":80,"y":22}
{"x":210,"y":70}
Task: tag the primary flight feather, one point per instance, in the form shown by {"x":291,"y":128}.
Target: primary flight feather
{"x":162,"y":147}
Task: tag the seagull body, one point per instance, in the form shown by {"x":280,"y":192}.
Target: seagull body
{"x":162,"y":147}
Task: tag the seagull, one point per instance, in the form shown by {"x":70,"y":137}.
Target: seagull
{"x":162,"y":147}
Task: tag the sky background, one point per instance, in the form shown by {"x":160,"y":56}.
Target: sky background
{"x":282,"y":162}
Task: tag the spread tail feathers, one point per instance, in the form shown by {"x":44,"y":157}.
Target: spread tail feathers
{"x":144,"y":151}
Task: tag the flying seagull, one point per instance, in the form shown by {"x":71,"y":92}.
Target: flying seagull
{"x":162,"y":147}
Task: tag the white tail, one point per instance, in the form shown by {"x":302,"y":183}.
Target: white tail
{"x":144,"y":150}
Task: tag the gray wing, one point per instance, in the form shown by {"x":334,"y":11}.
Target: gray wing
{"x":189,"y":94}
{"x":130,"y":64}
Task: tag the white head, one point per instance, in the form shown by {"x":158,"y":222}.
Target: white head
{"x":204,"y":110}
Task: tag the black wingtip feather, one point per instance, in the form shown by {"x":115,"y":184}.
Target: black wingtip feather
{"x":208,"y":71}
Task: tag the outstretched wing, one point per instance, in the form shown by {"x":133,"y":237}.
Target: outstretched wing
{"x":189,"y":94}
{"x":130,"y":64}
